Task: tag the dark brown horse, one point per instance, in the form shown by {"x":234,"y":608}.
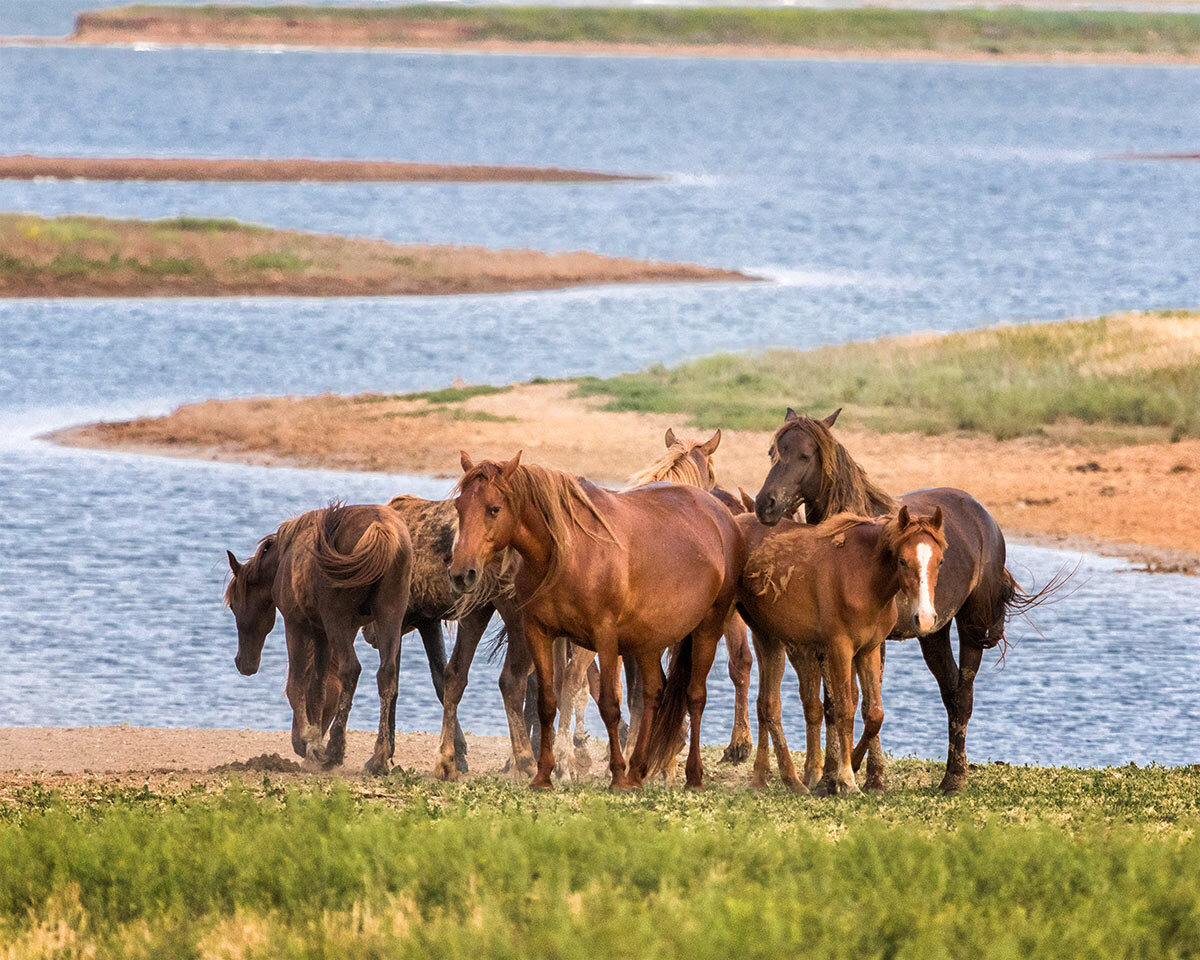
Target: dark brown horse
{"x":624,"y":574}
{"x":833,"y":590}
{"x":329,"y":573}
{"x":975,"y":590}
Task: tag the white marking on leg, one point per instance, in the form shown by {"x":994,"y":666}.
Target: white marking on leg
{"x":926,"y":615}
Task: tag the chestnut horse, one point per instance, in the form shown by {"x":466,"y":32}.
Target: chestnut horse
{"x":836,"y":590}
{"x":975,"y":590}
{"x":329,"y":573}
{"x":690,"y":462}
{"x":625,"y":574}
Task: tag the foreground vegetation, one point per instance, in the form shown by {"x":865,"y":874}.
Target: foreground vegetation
{"x":1052,"y":863}
{"x":989,"y":32}
{"x":186,"y":256}
{"x":1125,"y":378}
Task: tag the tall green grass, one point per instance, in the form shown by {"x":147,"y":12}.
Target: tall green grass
{"x":1042,"y":863}
{"x":990,"y":31}
{"x":1108,"y":373}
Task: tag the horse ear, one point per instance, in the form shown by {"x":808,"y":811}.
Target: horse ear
{"x":670,"y":438}
{"x":233,"y":563}
{"x":790,"y":415}
{"x":830,"y":420}
{"x":937,"y":519}
{"x":710,"y":445}
{"x":902,"y":518}
{"x":465,"y":459}
{"x":747,"y":500}
{"x":511,"y":467}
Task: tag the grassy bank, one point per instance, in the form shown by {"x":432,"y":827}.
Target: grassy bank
{"x":951,"y":32}
{"x":1029,"y":862}
{"x":1128,"y":378}
{"x":185,"y":256}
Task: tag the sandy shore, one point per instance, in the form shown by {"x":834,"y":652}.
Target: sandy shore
{"x":28,"y":167}
{"x":1133,"y":501}
{"x":70,"y":754}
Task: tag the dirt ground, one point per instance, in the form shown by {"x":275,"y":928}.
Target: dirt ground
{"x":1133,"y":501}
{"x":27,"y":167}
{"x":75,"y":754}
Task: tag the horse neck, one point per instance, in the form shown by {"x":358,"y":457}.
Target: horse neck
{"x":531,"y":539}
{"x":884,"y":577}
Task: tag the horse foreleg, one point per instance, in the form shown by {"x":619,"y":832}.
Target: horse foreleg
{"x":435,"y":653}
{"x":939,"y":658}
{"x":808,"y":675}
{"x":869,"y":666}
{"x":737,"y":646}
{"x":771,"y":661}
{"x":837,"y":672}
{"x":610,"y":707}
{"x":970,"y":654}
{"x":470,"y":630}
{"x":541,"y":647}
{"x":704,"y":650}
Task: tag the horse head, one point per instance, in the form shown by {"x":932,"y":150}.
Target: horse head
{"x":918,"y":545}
{"x":487,"y":519}
{"x":797,"y":471}
{"x":249,"y":596}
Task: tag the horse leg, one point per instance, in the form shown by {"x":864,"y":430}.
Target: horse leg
{"x":582,"y":758}
{"x":808,"y":675}
{"x":650,"y":677}
{"x":435,"y":653}
{"x":299,"y":647}
{"x":737,"y":645}
{"x":869,"y":665}
{"x":970,"y":654}
{"x":342,"y":641}
{"x":837,"y":671}
{"x":574,"y":684}
{"x":541,"y":647}
{"x":636,"y":694}
{"x":939,"y":658}
{"x":389,"y":634}
{"x":470,"y":630}
{"x":704,"y":650}
{"x":771,"y":661}
{"x":610,"y":708}
{"x":516,"y":684}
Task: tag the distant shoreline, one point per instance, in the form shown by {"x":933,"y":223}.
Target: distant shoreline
{"x":972,"y":35}
{"x":239,"y":169}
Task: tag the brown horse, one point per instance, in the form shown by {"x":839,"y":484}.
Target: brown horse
{"x":834,"y":589}
{"x":329,"y":573}
{"x":691,"y":462}
{"x":624,"y":574}
{"x":975,"y":590}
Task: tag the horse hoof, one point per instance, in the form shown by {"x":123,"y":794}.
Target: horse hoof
{"x":952,"y":784}
{"x":315,"y":753}
{"x":737,"y":752}
{"x":377,"y":766}
{"x":541,"y":784}
{"x":796,"y":786}
{"x":698,"y":785}
{"x":460,"y":764}
{"x":445,"y":770}
{"x":824,"y":788}
{"x":759,"y":780}
{"x":621,"y":786}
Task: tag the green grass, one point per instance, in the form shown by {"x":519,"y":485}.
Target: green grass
{"x":454,"y":394}
{"x":279,"y":260}
{"x":1107,"y":374}
{"x":1029,"y":862}
{"x":988,"y":31}
{"x":208,"y":225}
{"x":455,"y":414}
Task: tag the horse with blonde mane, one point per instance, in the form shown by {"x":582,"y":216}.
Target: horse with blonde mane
{"x":329,"y":573}
{"x":624,"y":574}
{"x":835,"y":590}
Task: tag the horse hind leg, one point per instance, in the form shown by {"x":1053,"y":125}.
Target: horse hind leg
{"x":869,"y":667}
{"x":771,"y":661}
{"x":737,"y":646}
{"x":574,"y":686}
{"x":971,"y":643}
{"x":435,"y":653}
{"x":808,"y":675}
{"x":939,"y":658}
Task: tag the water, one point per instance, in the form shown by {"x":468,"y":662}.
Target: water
{"x":882,"y":198}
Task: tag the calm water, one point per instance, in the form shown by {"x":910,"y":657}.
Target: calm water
{"x":881,"y":198}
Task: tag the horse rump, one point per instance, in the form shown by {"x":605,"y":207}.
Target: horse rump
{"x":374,"y":552}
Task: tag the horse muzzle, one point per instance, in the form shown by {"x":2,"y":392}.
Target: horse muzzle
{"x":768,"y":508}
{"x":246,"y":667}
{"x":464,"y":580}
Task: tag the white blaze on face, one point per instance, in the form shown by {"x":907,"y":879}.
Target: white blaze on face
{"x":926,"y":616}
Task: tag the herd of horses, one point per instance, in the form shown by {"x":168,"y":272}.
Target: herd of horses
{"x":594,"y":584}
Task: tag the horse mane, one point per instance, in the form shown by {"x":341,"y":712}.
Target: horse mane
{"x":675,"y":466}
{"x":845,"y":486}
{"x":892,"y":533}
{"x":276,"y":542}
{"x":558,"y":497}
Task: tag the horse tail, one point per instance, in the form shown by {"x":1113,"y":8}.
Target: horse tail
{"x":1016,"y":601}
{"x":374,"y":553}
{"x":672,"y":706}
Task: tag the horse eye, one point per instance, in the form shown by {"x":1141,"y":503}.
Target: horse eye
{"x":904,"y":563}
{"x":493,"y":511}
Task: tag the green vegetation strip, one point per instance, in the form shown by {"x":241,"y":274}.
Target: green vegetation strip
{"x":1127,"y":378}
{"x":1030,"y":862}
{"x":983,"y":31}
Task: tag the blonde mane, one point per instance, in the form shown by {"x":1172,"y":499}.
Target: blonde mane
{"x":677,"y":465}
{"x":560,"y":500}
